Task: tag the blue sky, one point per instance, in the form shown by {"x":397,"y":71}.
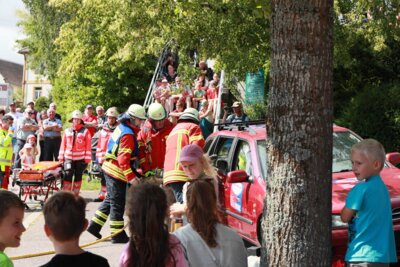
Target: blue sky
{"x":9,"y":31}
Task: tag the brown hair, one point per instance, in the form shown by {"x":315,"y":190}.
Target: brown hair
{"x":9,"y":200}
{"x":64,"y":214}
{"x":202,"y":209}
{"x":146,"y":209}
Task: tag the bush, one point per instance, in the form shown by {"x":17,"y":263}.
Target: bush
{"x":374,"y":113}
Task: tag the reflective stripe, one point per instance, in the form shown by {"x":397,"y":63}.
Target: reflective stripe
{"x":195,"y":138}
{"x":99,"y":222}
{"x":125,"y":150}
{"x":116,"y":223}
{"x":126,"y":172}
{"x":180,"y":131}
{"x":101,"y":214}
{"x":113,"y":171}
{"x":110,"y":156}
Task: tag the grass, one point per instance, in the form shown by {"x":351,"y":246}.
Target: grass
{"x":94,"y":184}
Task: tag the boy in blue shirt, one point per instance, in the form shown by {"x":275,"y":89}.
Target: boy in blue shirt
{"x":368,"y":210}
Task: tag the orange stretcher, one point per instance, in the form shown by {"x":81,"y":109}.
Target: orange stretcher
{"x":39,"y":179}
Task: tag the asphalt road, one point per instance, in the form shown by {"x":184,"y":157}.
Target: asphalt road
{"x":35,"y":241}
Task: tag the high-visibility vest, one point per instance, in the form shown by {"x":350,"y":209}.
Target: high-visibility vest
{"x":75,"y":145}
{"x":6,"y":150}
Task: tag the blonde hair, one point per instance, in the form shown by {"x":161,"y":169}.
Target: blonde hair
{"x":372,"y":149}
{"x":209,"y":169}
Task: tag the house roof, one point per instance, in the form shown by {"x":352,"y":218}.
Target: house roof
{"x":12,"y":72}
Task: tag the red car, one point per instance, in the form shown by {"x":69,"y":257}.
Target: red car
{"x":239,"y":154}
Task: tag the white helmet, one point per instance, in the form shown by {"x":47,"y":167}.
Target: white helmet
{"x":112,"y":112}
{"x":190,"y":114}
{"x":156,"y":112}
{"x":137,"y":111}
{"x":76,"y":114}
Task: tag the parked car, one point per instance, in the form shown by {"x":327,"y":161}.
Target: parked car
{"x":239,"y":154}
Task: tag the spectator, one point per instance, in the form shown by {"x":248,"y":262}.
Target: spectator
{"x":186,"y":132}
{"x":204,"y":69}
{"x":174,"y":115}
{"x":101,"y":117}
{"x":198,"y":95}
{"x":6,"y":136}
{"x":53,"y":106}
{"x":171,"y":74}
{"x":52,"y":128}
{"x":237,"y":116}
{"x":11,"y":224}
{"x":16,"y":115}
{"x":206,"y":240}
{"x":64,"y":216}
{"x":119,"y":169}
{"x":74,"y":153}
{"x":206,"y":118}
{"x":90,"y":120}
{"x":2,"y":113}
{"x":26,"y":127}
{"x":368,"y":210}
{"x":43,"y":116}
{"x":196,"y":165}
{"x":35,"y":115}
{"x":27,"y":157}
{"x":150,"y":243}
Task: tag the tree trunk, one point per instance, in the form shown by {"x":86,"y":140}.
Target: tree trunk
{"x":297,"y":213}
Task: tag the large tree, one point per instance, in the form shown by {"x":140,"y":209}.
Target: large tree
{"x":297,"y":222}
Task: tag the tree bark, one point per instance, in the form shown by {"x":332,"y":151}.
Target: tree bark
{"x":297,"y":214}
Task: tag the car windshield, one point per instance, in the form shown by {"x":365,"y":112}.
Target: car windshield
{"x":262,"y":156}
{"x":342,"y":143}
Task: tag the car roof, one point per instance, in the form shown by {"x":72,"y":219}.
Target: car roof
{"x":256,"y":132}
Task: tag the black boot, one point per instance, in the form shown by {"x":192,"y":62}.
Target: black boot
{"x":94,"y":229}
{"x":120,"y":238}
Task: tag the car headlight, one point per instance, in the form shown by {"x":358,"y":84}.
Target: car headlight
{"x":337,"y":222}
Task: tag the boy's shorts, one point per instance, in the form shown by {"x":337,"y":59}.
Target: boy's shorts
{"x":366,"y":264}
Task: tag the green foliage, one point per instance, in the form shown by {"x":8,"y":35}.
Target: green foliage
{"x":375,"y":113}
{"x":42,"y":103}
{"x":256,"y":111}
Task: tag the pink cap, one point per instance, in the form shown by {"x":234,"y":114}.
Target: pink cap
{"x":191,"y":153}
{"x":27,"y":145}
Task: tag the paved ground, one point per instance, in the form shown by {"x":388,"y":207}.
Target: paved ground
{"x":34,"y":239}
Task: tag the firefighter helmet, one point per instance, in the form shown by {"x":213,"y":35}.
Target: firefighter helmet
{"x":112,"y":112}
{"x":156,"y":112}
{"x":190,"y":114}
{"x":137,"y":111}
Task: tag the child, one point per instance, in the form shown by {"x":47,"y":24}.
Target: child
{"x":368,"y":210}
{"x":196,"y":165}
{"x":31,"y":139}
{"x":27,"y":159}
{"x":151,"y":244}
{"x":64,"y":216}
{"x":206,"y":240}
{"x":11,"y":227}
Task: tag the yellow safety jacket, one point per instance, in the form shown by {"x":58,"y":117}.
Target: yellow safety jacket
{"x":6,"y":150}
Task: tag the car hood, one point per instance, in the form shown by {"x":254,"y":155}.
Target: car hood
{"x":344,"y":181}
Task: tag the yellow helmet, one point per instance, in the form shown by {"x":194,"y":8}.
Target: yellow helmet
{"x":137,"y":111}
{"x":156,"y":112}
{"x":112,"y":112}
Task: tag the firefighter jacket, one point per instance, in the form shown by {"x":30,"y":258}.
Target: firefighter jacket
{"x":6,"y":150}
{"x":75,"y":144}
{"x":122,"y":152}
{"x":104,"y":135}
{"x":152,"y":146}
{"x":184,"y":133}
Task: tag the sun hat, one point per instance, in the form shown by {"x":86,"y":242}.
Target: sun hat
{"x":191,"y":153}
{"x":27,"y":145}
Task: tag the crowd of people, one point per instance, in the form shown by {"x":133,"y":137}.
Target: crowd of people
{"x":158,"y":153}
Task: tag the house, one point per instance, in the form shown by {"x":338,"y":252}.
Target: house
{"x":10,"y":80}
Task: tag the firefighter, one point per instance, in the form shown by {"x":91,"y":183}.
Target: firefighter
{"x":152,"y":141}
{"x":186,"y":132}
{"x":75,"y":153}
{"x":104,"y":134}
{"x":119,"y":169}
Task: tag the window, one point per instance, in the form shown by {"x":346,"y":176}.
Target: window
{"x":37,"y":92}
{"x":242,"y":159}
